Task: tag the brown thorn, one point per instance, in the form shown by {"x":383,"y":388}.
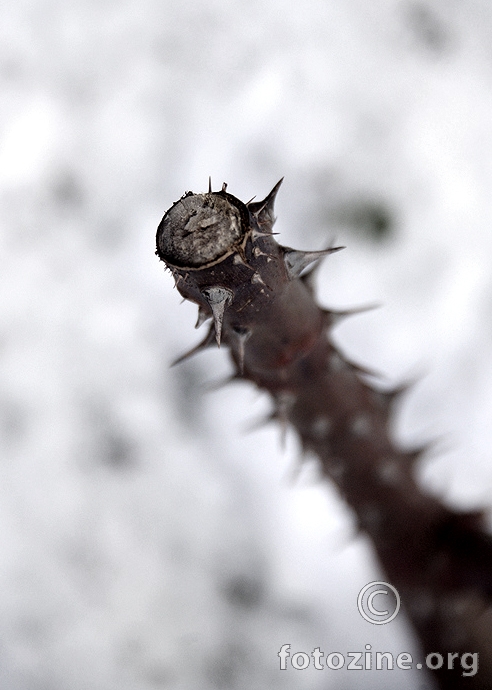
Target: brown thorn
{"x":202,"y":317}
{"x":213,"y":386}
{"x":425,"y":448}
{"x":256,"y":278}
{"x":296,"y":261}
{"x":263,"y":210}
{"x":336,"y":316}
{"x":285,"y":401}
{"x":243,"y":335}
{"x":239,"y":258}
{"x":259,"y":423}
{"x":218,"y":299}
{"x":388,"y":397}
{"x":203,"y":345}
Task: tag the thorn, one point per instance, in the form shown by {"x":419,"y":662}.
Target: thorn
{"x":256,"y":234}
{"x":218,"y":298}
{"x":202,"y":317}
{"x":366,"y":371}
{"x":210,"y":184}
{"x":256,"y":278}
{"x":293,"y":473}
{"x":285,"y":401}
{"x":203,"y":345}
{"x":389,"y":397}
{"x":259,"y":423}
{"x":213,"y":386}
{"x":238,"y":259}
{"x":257,"y":252}
{"x":414,"y":455}
{"x":436,"y":446}
{"x":297,"y":261}
{"x":263,"y":210}
{"x":336,"y":362}
{"x":224,"y":186}
{"x":309,"y":276}
{"x":336,"y":316}
{"x":243,"y":334}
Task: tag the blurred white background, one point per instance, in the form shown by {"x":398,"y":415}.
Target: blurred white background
{"x":146,"y":540}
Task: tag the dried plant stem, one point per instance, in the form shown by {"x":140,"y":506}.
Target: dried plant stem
{"x":224,"y":257}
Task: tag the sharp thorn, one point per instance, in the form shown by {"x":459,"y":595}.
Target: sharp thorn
{"x":224,"y":186}
{"x":389,"y":397}
{"x":437,"y":445}
{"x":416,"y":453}
{"x":284,"y":404}
{"x":256,"y":234}
{"x":213,"y":386}
{"x":218,"y":299}
{"x":210,"y":184}
{"x":337,"y":362}
{"x":243,"y":335}
{"x":297,"y":261}
{"x":263,"y":210}
{"x":336,"y":316}
{"x":203,"y":345}
{"x":240,"y":357}
{"x":238,"y":259}
{"x":202,"y":317}
{"x":257,"y":253}
{"x":293,"y":473}
{"x":359,"y":369}
{"x":309,"y":275}
{"x":259,"y":423}
{"x":256,"y":278}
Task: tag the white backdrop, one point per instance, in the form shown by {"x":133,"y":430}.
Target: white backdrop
{"x":146,"y":540}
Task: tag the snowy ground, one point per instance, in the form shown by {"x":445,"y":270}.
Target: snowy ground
{"x":146,"y":541}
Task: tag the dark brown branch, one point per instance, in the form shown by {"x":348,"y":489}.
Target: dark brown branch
{"x":224,"y":258}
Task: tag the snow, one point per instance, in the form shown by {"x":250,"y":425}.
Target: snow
{"x":146,"y":540}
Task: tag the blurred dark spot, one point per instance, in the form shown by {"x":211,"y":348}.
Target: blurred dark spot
{"x":118,"y":453}
{"x":67,"y":191}
{"x":427,"y":28}
{"x":223,"y":673}
{"x":225,"y":670}
{"x":244,"y":591}
{"x":369,"y":219}
{"x":109,"y":442}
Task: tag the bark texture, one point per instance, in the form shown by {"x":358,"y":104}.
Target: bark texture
{"x":224,"y":257}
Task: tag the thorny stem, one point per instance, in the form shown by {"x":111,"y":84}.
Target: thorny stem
{"x":224,"y":257}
